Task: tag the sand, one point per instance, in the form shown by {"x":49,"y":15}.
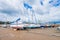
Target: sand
{"x":31,"y":34}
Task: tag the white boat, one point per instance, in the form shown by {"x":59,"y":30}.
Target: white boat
{"x":24,"y":26}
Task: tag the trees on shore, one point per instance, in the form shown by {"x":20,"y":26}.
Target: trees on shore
{"x":2,"y":22}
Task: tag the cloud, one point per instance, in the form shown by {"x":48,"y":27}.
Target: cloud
{"x":41,"y":10}
{"x":10,"y":9}
{"x":55,"y":2}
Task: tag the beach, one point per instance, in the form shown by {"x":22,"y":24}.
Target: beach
{"x":30,"y":34}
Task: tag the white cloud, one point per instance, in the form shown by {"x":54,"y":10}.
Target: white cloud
{"x":13,"y":9}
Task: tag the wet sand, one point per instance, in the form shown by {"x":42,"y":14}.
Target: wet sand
{"x":31,"y":34}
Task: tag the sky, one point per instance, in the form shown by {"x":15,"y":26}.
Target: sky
{"x":30,"y":10}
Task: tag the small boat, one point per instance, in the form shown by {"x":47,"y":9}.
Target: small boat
{"x":58,"y":28}
{"x":25,"y":26}
{"x":17,"y":27}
